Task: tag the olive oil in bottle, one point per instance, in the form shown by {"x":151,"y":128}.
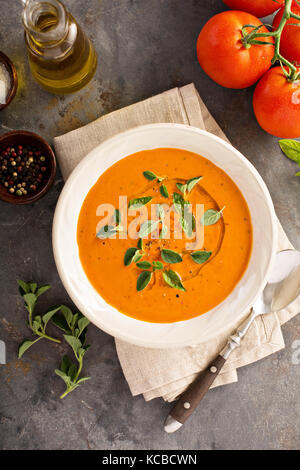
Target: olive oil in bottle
{"x":61,"y":57}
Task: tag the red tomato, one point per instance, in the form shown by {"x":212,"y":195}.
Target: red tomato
{"x":276,"y":104}
{"x":290,"y":37}
{"x":258,"y":8}
{"x":224,"y":58}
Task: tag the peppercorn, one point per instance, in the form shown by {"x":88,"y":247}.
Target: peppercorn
{"x":20,"y":167}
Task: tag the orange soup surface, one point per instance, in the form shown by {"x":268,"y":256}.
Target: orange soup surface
{"x":169,"y":275}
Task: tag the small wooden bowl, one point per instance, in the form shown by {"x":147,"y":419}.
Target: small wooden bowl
{"x":15,"y":138}
{"x":13,"y":78}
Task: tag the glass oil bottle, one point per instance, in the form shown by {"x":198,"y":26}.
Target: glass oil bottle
{"x":61,"y":57}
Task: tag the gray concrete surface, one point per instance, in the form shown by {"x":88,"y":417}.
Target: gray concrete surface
{"x":144,"y":47}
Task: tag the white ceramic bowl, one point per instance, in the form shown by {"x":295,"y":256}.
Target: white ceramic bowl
{"x":189,"y":332}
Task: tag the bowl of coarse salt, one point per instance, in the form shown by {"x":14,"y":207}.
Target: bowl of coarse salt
{"x":8,"y":81}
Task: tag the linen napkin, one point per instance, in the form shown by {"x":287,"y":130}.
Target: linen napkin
{"x":160,"y":372}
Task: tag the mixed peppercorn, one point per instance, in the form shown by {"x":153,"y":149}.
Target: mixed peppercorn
{"x":22,"y":169}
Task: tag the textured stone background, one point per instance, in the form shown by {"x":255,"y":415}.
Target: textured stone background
{"x":144,"y":47}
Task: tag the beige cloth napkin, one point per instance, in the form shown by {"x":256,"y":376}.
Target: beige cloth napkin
{"x":160,"y":372}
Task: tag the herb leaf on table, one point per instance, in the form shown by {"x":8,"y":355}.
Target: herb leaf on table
{"x":30,"y":293}
{"x":69,"y":372}
{"x":291,"y":148}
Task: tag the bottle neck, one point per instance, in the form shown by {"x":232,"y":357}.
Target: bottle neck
{"x":45,"y":22}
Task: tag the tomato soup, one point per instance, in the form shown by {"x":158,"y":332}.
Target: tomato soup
{"x":164,"y":235}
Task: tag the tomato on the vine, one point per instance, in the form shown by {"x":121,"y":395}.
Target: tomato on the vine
{"x":276,"y":104}
{"x":290,"y":36}
{"x":224,"y":57}
{"x":258,"y":8}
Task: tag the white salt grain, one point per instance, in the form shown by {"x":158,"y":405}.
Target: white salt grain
{"x":4,"y":83}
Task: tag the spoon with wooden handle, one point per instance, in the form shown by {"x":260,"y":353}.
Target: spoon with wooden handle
{"x":282,"y":289}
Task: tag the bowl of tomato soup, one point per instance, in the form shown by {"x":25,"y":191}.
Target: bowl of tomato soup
{"x":164,"y":236}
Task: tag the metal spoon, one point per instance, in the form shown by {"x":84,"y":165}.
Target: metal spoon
{"x":282,"y":289}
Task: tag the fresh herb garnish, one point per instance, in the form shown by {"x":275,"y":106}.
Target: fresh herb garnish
{"x":163,"y":191}
{"x":108,"y":231}
{"x":30,"y":293}
{"x":75,"y":327}
{"x":152,"y":176}
{"x":192,"y":183}
{"x":189,"y":185}
{"x":117,"y":217}
{"x":182,"y":187}
{"x":291,"y":148}
{"x":201,"y":256}
{"x":157,"y":266}
{"x":132,"y":255}
{"x":139,"y":202}
{"x":186,"y":219}
{"x":211,"y":216}
{"x":148,"y":227}
{"x":173,"y":279}
{"x":144,"y":265}
{"x":143,"y":280}
{"x":69,"y":372}
{"x":170,"y":256}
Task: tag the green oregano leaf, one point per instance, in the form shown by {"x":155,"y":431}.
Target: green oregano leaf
{"x":83,"y":379}
{"x":173,"y":279}
{"x":170,"y":256}
{"x":30,"y":300}
{"x":192,"y":183}
{"x":137,"y":257}
{"x":152,"y":176}
{"x":211,"y":216}
{"x":68,"y":315}
{"x":63,"y":376}
{"x":149,"y":175}
{"x":144,"y":265}
{"x":65,"y":364}
{"x":163,"y":191}
{"x":41,"y":290}
{"x":143,"y":280}
{"x":129,"y":255}
{"x":139,"y":202}
{"x":182,"y":187}
{"x":157,"y":266}
{"x":82,"y":324}
{"x":140,"y":244}
{"x":75,"y":343}
{"x":291,"y":148}
{"x":24,"y":286}
{"x":201,"y":256}
{"x":26,"y":345}
{"x":49,"y":315}
{"x":117,"y":216}
{"x":106,"y":231}
{"x":148,"y":227}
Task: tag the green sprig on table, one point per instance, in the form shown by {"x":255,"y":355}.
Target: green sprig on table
{"x":291,"y":148}
{"x":74,"y":325}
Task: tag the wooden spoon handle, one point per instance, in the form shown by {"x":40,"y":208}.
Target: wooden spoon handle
{"x":189,"y":401}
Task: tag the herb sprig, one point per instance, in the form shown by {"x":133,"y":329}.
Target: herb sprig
{"x":108,"y":231}
{"x":30,"y":293}
{"x":291,"y":148}
{"x":76,"y":325}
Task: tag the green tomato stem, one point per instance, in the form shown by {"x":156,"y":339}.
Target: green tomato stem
{"x":250,"y":38}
